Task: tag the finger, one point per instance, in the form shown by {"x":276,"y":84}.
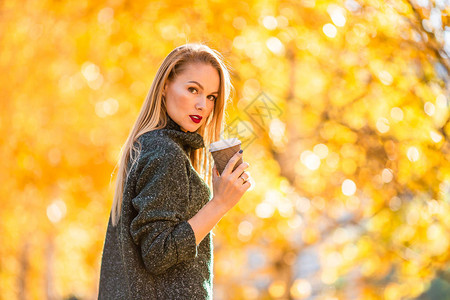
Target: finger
{"x":245,"y":175}
{"x":215,"y":172}
{"x":239,"y":170}
{"x":246,"y":185}
{"x":245,"y":172}
{"x":230,"y":165}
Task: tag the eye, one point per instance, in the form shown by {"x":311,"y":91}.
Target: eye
{"x":192,"y":88}
{"x":214,"y":98}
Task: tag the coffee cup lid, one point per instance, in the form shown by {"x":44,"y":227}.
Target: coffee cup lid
{"x":222,"y":144}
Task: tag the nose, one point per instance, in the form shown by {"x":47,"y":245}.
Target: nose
{"x":201,"y":102}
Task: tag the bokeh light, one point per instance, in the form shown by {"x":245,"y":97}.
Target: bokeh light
{"x":343,"y":114}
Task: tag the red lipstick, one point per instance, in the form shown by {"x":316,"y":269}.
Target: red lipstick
{"x":196,"y":118}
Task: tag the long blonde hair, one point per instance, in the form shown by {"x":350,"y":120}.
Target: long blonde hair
{"x":153,"y":115}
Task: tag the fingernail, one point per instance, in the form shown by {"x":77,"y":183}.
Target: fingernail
{"x":240,"y":151}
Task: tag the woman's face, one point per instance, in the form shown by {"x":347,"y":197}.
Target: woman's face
{"x":192,"y":93}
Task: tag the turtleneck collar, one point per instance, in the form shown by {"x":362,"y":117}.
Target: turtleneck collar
{"x":192,"y":140}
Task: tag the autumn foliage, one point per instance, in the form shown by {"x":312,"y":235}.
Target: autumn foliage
{"x":342,"y":107}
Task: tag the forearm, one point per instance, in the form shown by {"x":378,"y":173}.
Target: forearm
{"x":206,"y":218}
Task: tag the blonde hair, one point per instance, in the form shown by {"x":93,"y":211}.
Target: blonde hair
{"x":153,"y":115}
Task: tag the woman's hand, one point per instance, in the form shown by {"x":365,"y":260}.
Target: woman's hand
{"x":229,"y":187}
{"x":228,"y":190}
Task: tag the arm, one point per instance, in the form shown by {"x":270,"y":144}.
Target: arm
{"x":228,"y":189}
{"x":160,"y":229}
{"x":206,"y":218}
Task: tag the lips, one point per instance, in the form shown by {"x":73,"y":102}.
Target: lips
{"x":196,"y":118}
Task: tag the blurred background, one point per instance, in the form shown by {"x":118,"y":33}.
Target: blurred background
{"x":342,"y":107}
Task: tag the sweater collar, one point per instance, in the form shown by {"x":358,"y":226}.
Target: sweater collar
{"x":187,"y":139}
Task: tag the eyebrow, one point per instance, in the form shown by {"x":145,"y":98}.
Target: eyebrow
{"x":202,"y":86}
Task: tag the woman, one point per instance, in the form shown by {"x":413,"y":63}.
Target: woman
{"x":158,"y":242}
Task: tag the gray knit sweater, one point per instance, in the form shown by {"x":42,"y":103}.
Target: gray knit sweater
{"x":151,"y":253}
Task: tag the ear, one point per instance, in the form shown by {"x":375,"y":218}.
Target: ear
{"x":164,"y":90}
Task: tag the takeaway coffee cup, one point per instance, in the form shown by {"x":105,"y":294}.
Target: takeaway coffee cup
{"x":223,"y":150}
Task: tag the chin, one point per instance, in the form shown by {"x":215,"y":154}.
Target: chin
{"x":185,"y":129}
{"x":191,"y":129}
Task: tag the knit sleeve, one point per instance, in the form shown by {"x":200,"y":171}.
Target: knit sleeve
{"x":160,"y":228}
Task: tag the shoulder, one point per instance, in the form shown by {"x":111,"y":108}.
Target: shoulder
{"x":159,"y":152}
{"x":159,"y":156}
{"x":158,"y":144}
